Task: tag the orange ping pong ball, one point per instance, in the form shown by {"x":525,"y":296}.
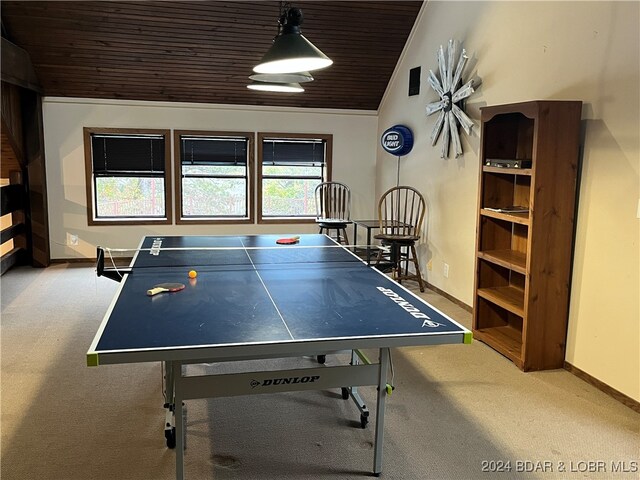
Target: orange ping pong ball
{"x":193,"y":274}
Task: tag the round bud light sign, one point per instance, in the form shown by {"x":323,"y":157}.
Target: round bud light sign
{"x":397,"y":140}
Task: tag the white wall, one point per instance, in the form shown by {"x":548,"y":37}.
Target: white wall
{"x":529,"y":51}
{"x":354,"y":152}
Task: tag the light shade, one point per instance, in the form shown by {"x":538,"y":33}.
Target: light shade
{"x":291,"y":53}
{"x":300,"y":77}
{"x":276,"y":87}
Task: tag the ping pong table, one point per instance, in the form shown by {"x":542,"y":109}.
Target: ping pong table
{"x":255,"y":299}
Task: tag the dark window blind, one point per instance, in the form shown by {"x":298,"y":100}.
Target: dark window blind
{"x":214,"y":151}
{"x":293,"y":153}
{"x":127,"y":154}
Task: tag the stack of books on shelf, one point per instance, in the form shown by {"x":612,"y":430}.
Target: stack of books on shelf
{"x":510,"y":209}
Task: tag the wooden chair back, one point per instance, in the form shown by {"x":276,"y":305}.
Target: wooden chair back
{"x":333,"y":202}
{"x":401,"y":211}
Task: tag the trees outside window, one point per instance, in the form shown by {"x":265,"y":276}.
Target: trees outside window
{"x":290,"y":166}
{"x":127,"y":172}
{"x":213,"y":176}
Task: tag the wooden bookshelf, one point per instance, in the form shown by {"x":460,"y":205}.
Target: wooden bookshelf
{"x":523,"y":260}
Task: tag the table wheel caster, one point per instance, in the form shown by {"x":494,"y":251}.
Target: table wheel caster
{"x":364,"y":419}
{"x":322,"y":359}
{"x":345,"y":393}
{"x":170,"y":435}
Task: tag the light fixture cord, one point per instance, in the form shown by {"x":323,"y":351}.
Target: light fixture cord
{"x":284,"y":10}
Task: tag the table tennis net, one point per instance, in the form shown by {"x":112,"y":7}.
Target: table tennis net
{"x":230,"y":257}
{"x":217,"y":258}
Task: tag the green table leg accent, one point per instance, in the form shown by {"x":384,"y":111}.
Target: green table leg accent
{"x":468,"y":336}
{"x":92,"y":360}
{"x":363,"y":357}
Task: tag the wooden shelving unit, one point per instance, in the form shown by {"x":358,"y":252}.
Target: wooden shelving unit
{"x":523,"y":260}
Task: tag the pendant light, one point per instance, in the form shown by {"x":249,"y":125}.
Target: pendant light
{"x":291,"y":52}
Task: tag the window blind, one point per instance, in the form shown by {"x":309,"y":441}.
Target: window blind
{"x":213,"y":150}
{"x":122,"y":154}
{"x":293,"y":152}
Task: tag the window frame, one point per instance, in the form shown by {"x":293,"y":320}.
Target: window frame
{"x":90,"y":177}
{"x":328,"y":139}
{"x":180,"y":220}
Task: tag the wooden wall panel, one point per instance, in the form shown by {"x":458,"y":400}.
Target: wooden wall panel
{"x":12,"y":140}
{"x":24,"y":190}
{"x":9,"y":162}
{"x":38,"y":217}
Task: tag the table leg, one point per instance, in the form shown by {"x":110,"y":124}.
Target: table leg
{"x":355,"y":237}
{"x":167,"y":391}
{"x":395,"y":260}
{"x":178,"y":418}
{"x":382,"y":397}
{"x":353,"y":391}
{"x":368,"y":246}
{"x":168,"y":382}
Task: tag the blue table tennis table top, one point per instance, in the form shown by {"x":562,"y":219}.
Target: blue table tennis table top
{"x":252,"y":297}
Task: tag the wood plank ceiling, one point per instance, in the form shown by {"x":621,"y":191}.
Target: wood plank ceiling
{"x":203,"y":52}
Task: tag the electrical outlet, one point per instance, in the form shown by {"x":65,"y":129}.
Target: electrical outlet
{"x":73,"y":239}
{"x":430,"y":265}
{"x":446,"y":270}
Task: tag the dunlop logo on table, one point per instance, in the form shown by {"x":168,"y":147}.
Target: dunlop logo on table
{"x":409,"y":307}
{"x":268,"y":382}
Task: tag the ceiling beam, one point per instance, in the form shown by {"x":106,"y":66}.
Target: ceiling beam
{"x":17,"y":68}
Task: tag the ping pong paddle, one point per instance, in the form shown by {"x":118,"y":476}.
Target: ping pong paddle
{"x":288,"y":241}
{"x":165,"y":287}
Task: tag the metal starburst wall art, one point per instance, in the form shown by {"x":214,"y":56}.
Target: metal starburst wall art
{"x":451,"y":100}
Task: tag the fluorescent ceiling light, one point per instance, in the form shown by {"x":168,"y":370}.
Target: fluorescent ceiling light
{"x":301,"y":77}
{"x":276,"y":87}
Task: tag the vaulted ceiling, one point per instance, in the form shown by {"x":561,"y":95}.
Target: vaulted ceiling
{"x":204,"y":51}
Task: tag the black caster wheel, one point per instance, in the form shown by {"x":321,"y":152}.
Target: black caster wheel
{"x":170,"y":435}
{"x":364,"y":419}
{"x":322,"y":359}
{"x":345,"y":393}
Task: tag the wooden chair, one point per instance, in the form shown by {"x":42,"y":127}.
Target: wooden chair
{"x":333,"y":209}
{"x":401,"y":211}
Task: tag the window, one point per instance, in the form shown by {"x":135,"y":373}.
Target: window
{"x":127,"y":174}
{"x":213,"y":176}
{"x":290,"y":168}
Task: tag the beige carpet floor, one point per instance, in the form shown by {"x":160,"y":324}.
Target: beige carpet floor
{"x":457,"y":410}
